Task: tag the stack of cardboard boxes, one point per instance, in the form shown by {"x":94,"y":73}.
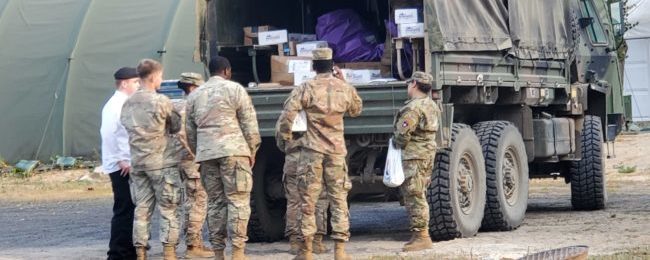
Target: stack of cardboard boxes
{"x":293,"y":64}
{"x":409,"y":23}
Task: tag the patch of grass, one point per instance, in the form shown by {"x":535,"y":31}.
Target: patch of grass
{"x":640,"y":253}
{"x":626,"y":169}
{"x":44,"y":187}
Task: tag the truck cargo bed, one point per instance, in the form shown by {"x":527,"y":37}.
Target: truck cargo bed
{"x":380,"y":104}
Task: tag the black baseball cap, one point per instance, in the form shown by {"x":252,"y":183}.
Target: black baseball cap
{"x":125,"y":73}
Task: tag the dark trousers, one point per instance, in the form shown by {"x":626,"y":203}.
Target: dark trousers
{"x":121,"y":243}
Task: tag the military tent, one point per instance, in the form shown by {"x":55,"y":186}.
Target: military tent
{"x":57,"y":59}
{"x":637,"y":63}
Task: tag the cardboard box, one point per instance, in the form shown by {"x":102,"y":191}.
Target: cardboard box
{"x":360,"y":76}
{"x":403,"y":16}
{"x":300,"y":38}
{"x":272,"y":37}
{"x":287,"y":49}
{"x":411,"y":30}
{"x":300,"y":77}
{"x":305,"y":49}
{"x":284,"y":67}
{"x":360,"y":65}
{"x":251,"y":33}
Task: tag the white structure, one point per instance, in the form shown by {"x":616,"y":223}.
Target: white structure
{"x":637,"y":63}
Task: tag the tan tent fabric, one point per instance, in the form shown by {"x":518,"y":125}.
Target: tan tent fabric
{"x":57,"y":59}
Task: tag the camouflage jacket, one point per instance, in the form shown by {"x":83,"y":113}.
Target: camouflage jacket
{"x":325,"y":99}
{"x":149,"y":117}
{"x":221,"y":121}
{"x":415,"y":128}
{"x":178,"y":148}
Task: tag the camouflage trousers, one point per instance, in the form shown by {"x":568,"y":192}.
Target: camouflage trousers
{"x":161,"y":188}
{"x":317,"y":171}
{"x":292,"y":194}
{"x":195,"y":203}
{"x":228,"y":182}
{"x":418,"y":178}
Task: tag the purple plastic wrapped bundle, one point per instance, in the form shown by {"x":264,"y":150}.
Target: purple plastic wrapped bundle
{"x":348,"y":37}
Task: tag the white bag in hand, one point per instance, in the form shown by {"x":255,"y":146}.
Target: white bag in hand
{"x":393,"y":171}
{"x":300,"y":122}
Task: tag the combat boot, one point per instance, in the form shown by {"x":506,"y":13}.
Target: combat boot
{"x":238,"y":253}
{"x":339,"y":251}
{"x":421,"y":241}
{"x":318,"y":246}
{"x":294,"y":245}
{"x":141,"y":252}
{"x":306,"y":249}
{"x":169,"y":252}
{"x":219,"y":254}
{"x":197,"y":249}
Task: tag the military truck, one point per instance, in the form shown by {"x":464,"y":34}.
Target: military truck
{"x":528,"y":89}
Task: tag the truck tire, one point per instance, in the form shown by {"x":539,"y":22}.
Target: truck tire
{"x":587,"y":177}
{"x":506,"y":170}
{"x":267,"y":220}
{"x":456,"y":194}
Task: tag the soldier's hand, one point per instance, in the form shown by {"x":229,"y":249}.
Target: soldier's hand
{"x":336,"y":71}
{"x":251,"y":161}
{"x":125,"y":168}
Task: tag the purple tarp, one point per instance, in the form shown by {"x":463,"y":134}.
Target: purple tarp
{"x":349,"y":38}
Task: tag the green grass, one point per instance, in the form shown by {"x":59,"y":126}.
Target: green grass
{"x":640,"y":253}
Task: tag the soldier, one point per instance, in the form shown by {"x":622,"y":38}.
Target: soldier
{"x":195,"y":204}
{"x":415,"y":130}
{"x":325,"y":100}
{"x":222,"y":129}
{"x":149,"y":118}
{"x":292,"y":228}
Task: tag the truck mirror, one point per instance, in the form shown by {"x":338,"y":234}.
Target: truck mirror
{"x":585,"y":21}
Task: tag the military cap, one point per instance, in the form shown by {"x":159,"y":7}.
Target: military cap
{"x":125,"y":73}
{"x":322,"y":54}
{"x":191,"y":78}
{"x":422,"y":78}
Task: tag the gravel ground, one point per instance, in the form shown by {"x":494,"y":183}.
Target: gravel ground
{"x":79,"y":229}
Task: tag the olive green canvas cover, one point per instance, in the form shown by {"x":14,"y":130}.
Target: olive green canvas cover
{"x":529,"y":29}
{"x":57,"y":59}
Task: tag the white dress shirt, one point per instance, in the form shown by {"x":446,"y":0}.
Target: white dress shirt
{"x":115,"y":139}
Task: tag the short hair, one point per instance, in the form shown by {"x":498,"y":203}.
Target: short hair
{"x":218,"y":64}
{"x":146,"y":67}
{"x":423,"y":87}
{"x":323,"y":66}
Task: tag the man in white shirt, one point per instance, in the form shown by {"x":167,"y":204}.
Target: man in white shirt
{"x":116,"y":161}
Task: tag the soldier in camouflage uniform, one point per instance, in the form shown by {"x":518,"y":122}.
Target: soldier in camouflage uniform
{"x":195,"y":199}
{"x":292,"y":228}
{"x":415,"y":130}
{"x":222,"y":129}
{"x":325,"y":100}
{"x":149,"y":119}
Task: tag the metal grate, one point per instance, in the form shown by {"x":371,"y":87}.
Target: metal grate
{"x":568,"y":253}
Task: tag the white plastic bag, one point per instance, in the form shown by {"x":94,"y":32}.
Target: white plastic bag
{"x":393,"y":171}
{"x":300,"y":122}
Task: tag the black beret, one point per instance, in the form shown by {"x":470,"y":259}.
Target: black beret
{"x":125,"y":73}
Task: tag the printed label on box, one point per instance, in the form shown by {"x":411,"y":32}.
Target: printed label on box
{"x":300,"y":77}
{"x":272,"y":37}
{"x":406,"y":16}
{"x":299,"y":66}
{"x":361,"y":76}
{"x":305,"y":49}
{"x":414,"y":30}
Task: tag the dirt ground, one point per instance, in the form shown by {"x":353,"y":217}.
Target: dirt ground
{"x":66,"y":215}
